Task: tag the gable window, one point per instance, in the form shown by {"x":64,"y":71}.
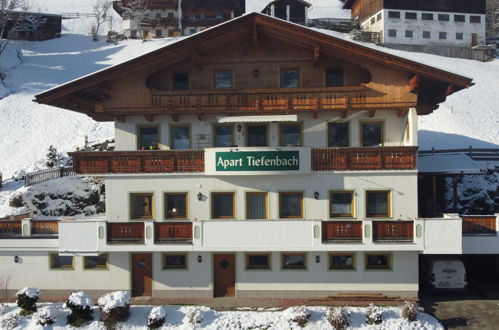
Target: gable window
{"x":392,"y":33}
{"x":408,"y":33}
{"x":475,"y":19}
{"x":174,"y":261}
{"x":141,"y":205}
{"x":222,"y":205}
{"x":175,"y":205}
{"x":219,"y":16}
{"x":171,"y":14}
{"x":290,"y":205}
{"x":372,"y":134}
{"x":293,"y":261}
{"x":290,"y":78}
{"x":373,"y":20}
{"x":223,"y":135}
{"x":256,"y":205}
{"x":442,"y":35}
{"x":342,"y":261}
{"x":223,"y":79}
{"x":192,"y":31}
{"x":459,"y":18}
{"x":427,"y":16}
{"x":181,"y":137}
{"x":96,"y":262}
{"x":180,"y":81}
{"x":334,"y":78}
{"x":159,"y":33}
{"x":378,"y":17}
{"x":257,"y":261}
{"x":411,"y":15}
{"x":393,"y":14}
{"x":290,"y":134}
{"x":192,"y":16}
{"x":148,"y":137}
{"x":426,"y":34}
{"x":158,"y":15}
{"x":378,"y":261}
{"x":256,"y":135}
{"x":338,"y":134}
{"x":377,"y":204}
{"x":61,"y":262}
{"x":443,"y":17}
{"x":341,"y":204}
{"x":459,"y":36}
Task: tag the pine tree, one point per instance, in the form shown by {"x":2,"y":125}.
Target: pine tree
{"x":52,"y":157}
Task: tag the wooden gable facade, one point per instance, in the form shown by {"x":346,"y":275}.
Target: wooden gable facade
{"x":255,"y":48}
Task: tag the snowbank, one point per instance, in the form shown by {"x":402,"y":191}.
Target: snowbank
{"x":113,"y":300}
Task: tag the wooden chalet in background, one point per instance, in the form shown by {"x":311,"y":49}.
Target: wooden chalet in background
{"x":48,"y":27}
{"x":290,"y":10}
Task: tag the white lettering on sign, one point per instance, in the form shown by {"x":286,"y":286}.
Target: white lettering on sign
{"x":229,"y":162}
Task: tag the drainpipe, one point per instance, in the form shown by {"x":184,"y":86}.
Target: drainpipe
{"x":287,"y":13}
{"x":179,"y":13}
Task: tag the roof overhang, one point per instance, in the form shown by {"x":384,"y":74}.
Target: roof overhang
{"x":258,"y":119}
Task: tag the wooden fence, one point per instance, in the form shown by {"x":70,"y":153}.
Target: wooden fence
{"x":45,"y":175}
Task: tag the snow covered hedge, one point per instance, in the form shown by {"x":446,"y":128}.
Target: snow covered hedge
{"x":80,"y":306}
{"x":157,"y":317}
{"x":46,"y":315}
{"x":115,"y":306}
{"x":27,"y":298}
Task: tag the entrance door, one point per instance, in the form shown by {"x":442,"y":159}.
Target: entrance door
{"x":224,"y":275}
{"x":141,"y":274}
{"x":474,"y":39}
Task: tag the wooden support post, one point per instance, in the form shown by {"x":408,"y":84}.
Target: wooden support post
{"x":317,"y":54}
{"x":200,"y":116}
{"x":414,"y":84}
{"x":196,"y":58}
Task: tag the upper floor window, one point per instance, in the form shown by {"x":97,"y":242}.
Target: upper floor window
{"x":223,"y":135}
{"x":171,"y":14}
{"x":180,"y":81}
{"x":459,"y":18}
{"x":290,"y":205}
{"x":377,"y":204}
{"x":393,"y":14}
{"x":96,"y":262}
{"x":475,"y":19}
{"x":192,"y":16}
{"x":222,"y":205}
{"x":459,"y":36}
{"x":426,"y":34}
{"x":334,"y":78}
{"x":411,"y":15}
{"x":223,"y":79}
{"x":373,"y":20}
{"x":392,"y":33}
{"x":61,"y":262}
{"x":175,"y":205}
{"x":290,"y":134}
{"x":290,"y":78}
{"x":141,"y":205}
{"x":443,"y":17}
{"x":202,"y":16}
{"x":159,"y":33}
{"x":372,"y":134}
{"x":256,"y":205}
{"x":427,"y":16}
{"x":338,"y":134}
{"x":442,"y":35}
{"x":408,"y":33}
{"x":293,"y":261}
{"x":158,"y":15}
{"x":180,"y":137}
{"x":341,"y":204}
{"x":148,"y":137}
{"x":219,"y":16}
{"x":256,"y":135}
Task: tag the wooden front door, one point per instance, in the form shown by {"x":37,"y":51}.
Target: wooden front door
{"x":474,"y":39}
{"x":141,"y":274}
{"x":224,"y":275}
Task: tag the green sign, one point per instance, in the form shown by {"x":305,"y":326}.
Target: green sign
{"x":258,"y":161}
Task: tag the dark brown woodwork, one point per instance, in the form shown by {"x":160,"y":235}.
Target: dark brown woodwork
{"x":125,"y":232}
{"x":200,"y":117}
{"x":479,"y":225}
{"x":175,"y":117}
{"x":224,"y":282}
{"x":451,"y":89}
{"x":196,"y":58}
{"x":141,"y":274}
{"x":254,"y":35}
{"x":173,"y":232}
{"x":341,"y":231}
{"x":344,"y":114}
{"x":149,"y":118}
{"x":120,"y":118}
{"x":10,"y":229}
{"x":45,"y":227}
{"x":414,"y":84}
{"x":99,"y":107}
{"x":317,"y":54}
{"x":393,"y":231}
{"x":371,"y":113}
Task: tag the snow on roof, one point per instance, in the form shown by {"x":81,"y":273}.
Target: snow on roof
{"x":319,"y":8}
{"x":454,"y":163}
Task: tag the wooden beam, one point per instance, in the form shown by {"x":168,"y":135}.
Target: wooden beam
{"x":371,"y":113}
{"x":402,"y":112}
{"x":196,"y":58}
{"x":254,"y":35}
{"x":344,"y":114}
{"x":120,"y":118}
{"x":99,"y":107}
{"x":105,"y":90}
{"x":414,"y":83}
{"x":175,"y":117}
{"x":149,"y":118}
{"x":450,"y":90}
{"x":317,"y":54}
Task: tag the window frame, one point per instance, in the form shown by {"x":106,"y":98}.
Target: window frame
{"x":392,"y":33}
{"x":165,"y":200}
{"x":52,"y":266}
{"x":459,"y":36}
{"x":459,"y":18}
{"x":173,"y":81}
{"x":353,"y":255}
{"x":165,"y":266}
{"x":215,"y":80}
{"x":475,"y":19}
{"x":389,"y":202}
{"x":362,"y":122}
{"x":266,"y":203}
{"x":281,"y":70}
{"x":443,"y":17}
{"x":378,"y":17}
{"x":280,"y":193}
{"x":331,"y":123}
{"x":140,"y":126}
{"x":246,"y":135}
{"x":97,"y":267}
{"x":426,"y":34}
{"x":411,"y":15}
{"x":442,"y":35}
{"x":214,"y":142}
{"x":352,"y":204}
{"x":300,"y":126}
{"x":427,"y":16}
{"x":172,"y":128}
{"x":289,"y":267}
{"x":409,"y":33}
{"x":132,"y":205}
{"x":267,"y":267}
{"x":389,"y":259}
{"x":394,"y":14}
{"x":212,"y":196}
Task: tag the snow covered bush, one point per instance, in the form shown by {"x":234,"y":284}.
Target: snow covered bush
{"x":46,"y":315}
{"x":193,"y":316}
{"x":80,"y":306}
{"x":9,"y":321}
{"x":374,"y":314}
{"x":53,"y":157}
{"x":409,"y":310}
{"x":26,"y":299}
{"x":19,"y":175}
{"x":115,"y":306}
{"x":16,"y":201}
{"x":298,"y":315}
{"x":338,"y":317}
{"x":157,"y":317}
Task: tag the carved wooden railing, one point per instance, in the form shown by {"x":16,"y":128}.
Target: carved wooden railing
{"x":479,"y":224}
{"x":393,"y":231}
{"x":158,"y":161}
{"x":125,"y":232}
{"x":44,"y":227}
{"x":366,"y":158}
{"x":341,"y":231}
{"x":10,"y":229}
{"x":173,"y":232}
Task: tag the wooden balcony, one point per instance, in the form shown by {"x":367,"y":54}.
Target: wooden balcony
{"x":125,"y":232}
{"x":158,"y":161}
{"x":173,"y":232}
{"x":393,"y":231}
{"x":10,"y":229}
{"x":479,"y":225}
{"x":366,"y":158}
{"x":341,"y":231}
{"x":48,"y":228}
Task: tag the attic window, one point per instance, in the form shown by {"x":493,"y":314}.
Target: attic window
{"x":393,"y":14}
{"x":180,"y":81}
{"x":290,"y":78}
{"x":334,"y":77}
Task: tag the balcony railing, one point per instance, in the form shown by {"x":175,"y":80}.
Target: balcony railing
{"x":393,"y":231}
{"x":44,"y":227}
{"x":125,"y":232}
{"x":367,"y":158}
{"x":341,"y":231}
{"x":173,"y":232}
{"x":159,"y":161}
{"x":10,"y":229}
{"x":479,"y":225}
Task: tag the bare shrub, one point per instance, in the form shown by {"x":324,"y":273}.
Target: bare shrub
{"x":374,"y":314}
{"x":410,"y":310}
{"x":4,"y":288}
{"x":17,"y":201}
{"x":338,"y":317}
{"x":298,"y":315}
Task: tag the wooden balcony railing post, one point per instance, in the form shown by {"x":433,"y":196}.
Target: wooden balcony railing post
{"x":394,"y":231}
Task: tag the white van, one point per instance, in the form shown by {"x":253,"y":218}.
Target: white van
{"x":446,"y":274}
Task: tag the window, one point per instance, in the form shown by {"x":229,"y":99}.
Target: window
{"x":175,"y":205}
{"x":148,"y":137}
{"x":377,"y":204}
{"x":202,"y":16}
{"x":443,"y":17}
{"x":373,"y":20}
{"x":180,"y":81}
{"x":219,"y":16}
{"x":293,"y":261}
{"x":256,"y":135}
{"x":378,"y":17}
{"x":192,"y":31}
{"x":459,"y":36}
{"x":133,"y":34}
{"x":290,"y":205}
{"x":393,"y":14}
{"x":158,"y":15}
{"x":61,"y":262}
{"x":174,"y":261}
{"x":372,"y":134}
{"x":192,"y":16}
{"x":338,"y":135}
{"x":257,"y":261}
{"x":459,"y":18}
{"x":411,"y":15}
{"x":475,"y":19}
{"x":222,"y":205}
{"x":181,"y":137}
{"x":96,"y":262}
{"x":408,"y":33}
{"x":158,"y":33}
{"x":442,"y":35}
{"x":223,"y":135}
{"x":378,"y":261}
{"x":334,"y":78}
{"x":290,"y":134}
{"x":392,"y":33}
{"x":342,"y":261}
{"x":290,"y":78}
{"x":341,"y":204}
{"x":142,"y":206}
{"x":223,"y":79}
{"x":171,"y":14}
{"x":427,"y":16}
{"x":426,"y":34}
{"x":256,"y":205}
